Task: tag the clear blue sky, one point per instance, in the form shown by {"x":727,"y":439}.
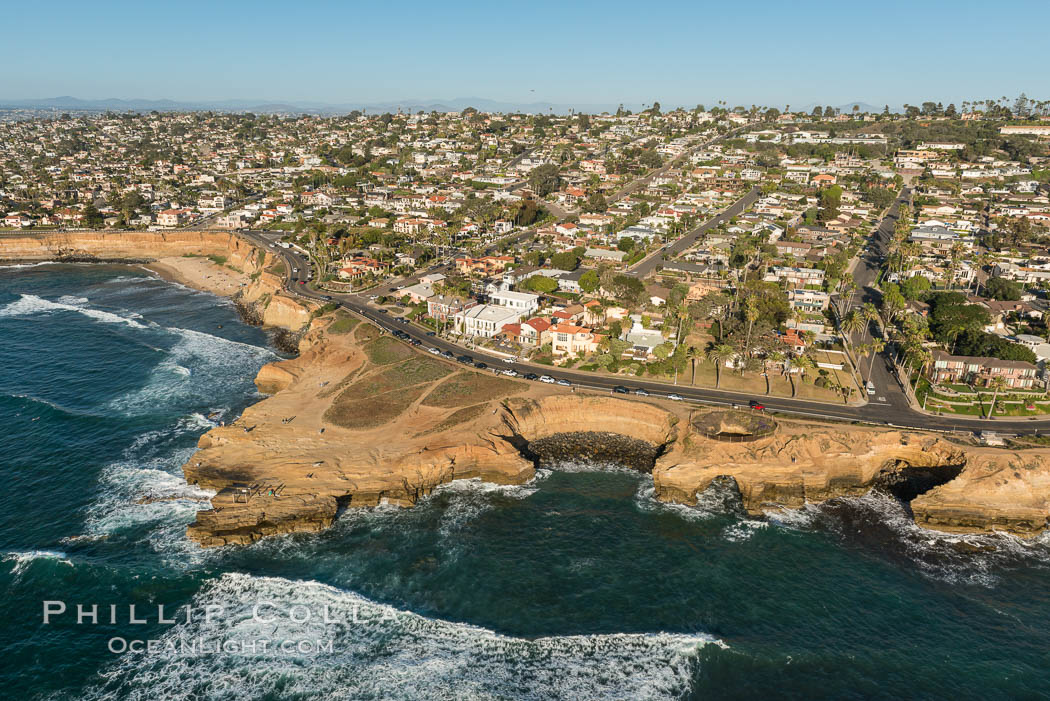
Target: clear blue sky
{"x":771,"y":52}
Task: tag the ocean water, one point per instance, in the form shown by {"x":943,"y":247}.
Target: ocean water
{"x":577,"y":585}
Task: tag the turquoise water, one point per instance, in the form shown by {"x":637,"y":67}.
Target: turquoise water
{"x":578,"y":585}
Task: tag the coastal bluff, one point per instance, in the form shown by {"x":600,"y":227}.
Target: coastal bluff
{"x":361,"y":419}
{"x":215,"y":261}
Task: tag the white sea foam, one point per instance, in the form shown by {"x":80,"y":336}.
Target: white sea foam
{"x":387,"y":653}
{"x":469,"y":498}
{"x":17,"y":266}
{"x":195,"y":366}
{"x":30,"y":305}
{"x":794,"y":519}
{"x":23,"y":558}
{"x":718,"y":500}
{"x":743,"y":530}
{"x":971,"y":558}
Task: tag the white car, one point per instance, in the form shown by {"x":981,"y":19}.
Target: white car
{"x":510,"y":372}
{"x":675,"y":397}
{"x":547,"y":379}
{"x":434,"y":351}
{"x":508,"y":360}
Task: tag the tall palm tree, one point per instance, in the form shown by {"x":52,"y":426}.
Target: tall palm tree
{"x":997,"y":383}
{"x":694,"y":353}
{"x":751,"y":314}
{"x":804,"y":363}
{"x":876,"y":346}
{"x":719,"y":354}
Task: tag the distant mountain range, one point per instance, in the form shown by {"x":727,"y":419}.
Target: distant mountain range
{"x":263,"y":106}
{"x":454,"y":105}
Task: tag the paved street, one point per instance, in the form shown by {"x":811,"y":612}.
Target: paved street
{"x":882,"y":413}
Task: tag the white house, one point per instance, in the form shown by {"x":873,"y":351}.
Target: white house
{"x":522,"y":302}
{"x":485,"y":320}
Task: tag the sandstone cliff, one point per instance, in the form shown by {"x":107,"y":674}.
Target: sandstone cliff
{"x":125,"y":245}
{"x":259,"y":290}
{"x":369,"y":421}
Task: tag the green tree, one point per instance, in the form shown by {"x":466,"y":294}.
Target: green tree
{"x":596,"y":202}
{"x":1002,"y":289}
{"x":830,"y":199}
{"x":590,"y":282}
{"x":92,"y":218}
{"x":540,"y":283}
{"x":915,"y":286}
{"x":544,"y":179}
{"x":566,"y":260}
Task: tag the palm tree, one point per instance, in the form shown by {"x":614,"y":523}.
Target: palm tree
{"x":804,"y":363}
{"x":876,"y":346}
{"x":694,"y":353}
{"x":751,"y":314}
{"x":997,"y":383}
{"x":776,"y":358}
{"x":718,"y":355}
{"x":954,"y":331}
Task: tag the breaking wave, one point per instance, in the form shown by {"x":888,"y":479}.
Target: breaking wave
{"x":30,"y":305}
{"x":22,"y":559}
{"x":380,"y":652}
{"x":195,"y":365}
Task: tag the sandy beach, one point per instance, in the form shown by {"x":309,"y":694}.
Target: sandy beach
{"x":199,"y":273}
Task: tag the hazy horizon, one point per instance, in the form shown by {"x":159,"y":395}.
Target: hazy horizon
{"x":675,"y":52}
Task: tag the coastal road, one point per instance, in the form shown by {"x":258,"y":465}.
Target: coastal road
{"x":878,"y":413}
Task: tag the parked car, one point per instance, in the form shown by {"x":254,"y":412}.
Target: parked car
{"x":480,"y":365}
{"x":620,"y":389}
{"x":756,"y":405}
{"x":641,"y":392}
{"x":547,"y":379}
{"x":433,"y":350}
{"x":448,"y":354}
{"x":531,"y":376}
{"x":564,"y":383}
{"x":466,"y":359}
{"x":510,"y":372}
{"x":675,"y":397}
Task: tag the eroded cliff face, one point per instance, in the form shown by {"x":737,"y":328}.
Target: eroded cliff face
{"x":262,"y":295}
{"x":314,"y":464}
{"x":311,"y":463}
{"x":126,"y":245}
{"x":796,"y":466}
{"x":997,"y":490}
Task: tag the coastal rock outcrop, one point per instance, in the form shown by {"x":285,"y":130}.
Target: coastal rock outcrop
{"x":359,"y":420}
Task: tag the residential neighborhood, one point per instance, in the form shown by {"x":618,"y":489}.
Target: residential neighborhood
{"x":708,"y":246}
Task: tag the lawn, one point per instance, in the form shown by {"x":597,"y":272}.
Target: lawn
{"x":411,"y":372}
{"x":467,"y":387}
